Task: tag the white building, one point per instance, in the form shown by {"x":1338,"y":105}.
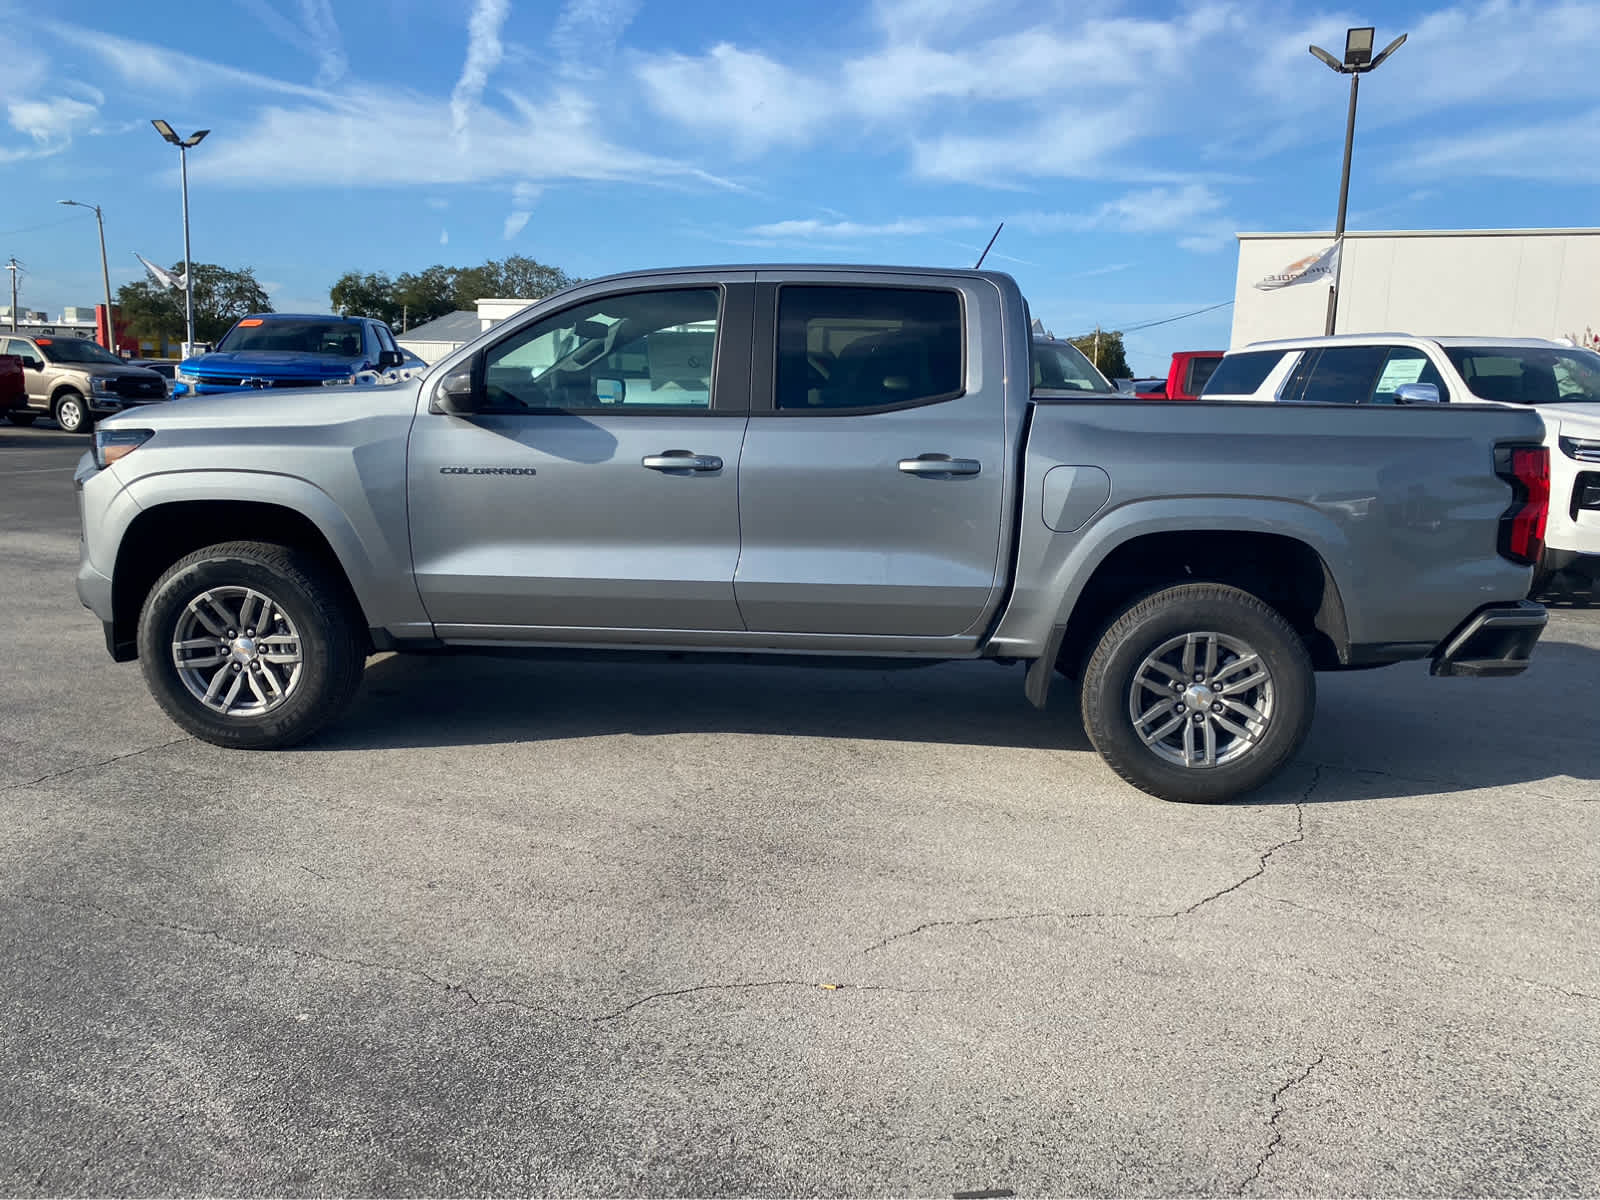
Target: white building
{"x":434,"y":339}
{"x":1491,"y":282}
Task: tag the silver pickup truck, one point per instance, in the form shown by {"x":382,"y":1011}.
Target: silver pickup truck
{"x":812,"y":461}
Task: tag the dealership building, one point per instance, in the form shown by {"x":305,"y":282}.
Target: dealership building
{"x":1489,"y":282}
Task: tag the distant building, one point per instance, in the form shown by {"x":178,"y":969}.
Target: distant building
{"x":1469,"y":282}
{"x":434,"y":339}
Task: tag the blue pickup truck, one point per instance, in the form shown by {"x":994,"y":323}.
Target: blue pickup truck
{"x":296,"y":350}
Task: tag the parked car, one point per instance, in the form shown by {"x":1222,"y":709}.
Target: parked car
{"x":1560,"y":381}
{"x":812,"y":461}
{"x":1060,"y":366}
{"x":77,"y":381}
{"x":296,"y":350}
{"x":1187,"y":375}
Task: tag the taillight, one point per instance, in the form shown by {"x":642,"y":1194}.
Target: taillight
{"x":1527,"y":470}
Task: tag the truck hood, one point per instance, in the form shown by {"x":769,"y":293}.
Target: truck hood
{"x":272,"y":408}
{"x":269,"y":364}
{"x":95,"y":370}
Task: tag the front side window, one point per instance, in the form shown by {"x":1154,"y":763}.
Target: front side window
{"x":314,"y":335}
{"x":1344,"y":374}
{"x":1062,"y":367}
{"x":637,"y":350}
{"x":867,"y":347}
{"x":1529,"y":374}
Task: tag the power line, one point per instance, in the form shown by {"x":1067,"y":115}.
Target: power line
{"x":1152,"y":324}
{"x":36,"y":228}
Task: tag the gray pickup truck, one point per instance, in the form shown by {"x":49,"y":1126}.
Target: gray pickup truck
{"x":812,"y":461}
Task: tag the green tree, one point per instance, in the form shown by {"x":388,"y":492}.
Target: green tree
{"x":411,"y":298}
{"x":1105,"y":350}
{"x":221,"y":297}
{"x":370,"y":295}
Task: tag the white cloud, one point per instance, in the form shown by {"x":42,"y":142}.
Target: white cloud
{"x":51,"y":123}
{"x":586,"y":34}
{"x":1565,"y":151}
{"x":516,"y":223}
{"x":329,"y":46}
{"x":483,"y":56}
{"x":444,"y":237}
{"x":853,"y":229}
{"x":1153,"y":210}
{"x":437,"y":203}
{"x":743,"y":96}
{"x":153,"y":69}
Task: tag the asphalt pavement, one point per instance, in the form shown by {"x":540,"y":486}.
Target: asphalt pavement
{"x":523,"y":927}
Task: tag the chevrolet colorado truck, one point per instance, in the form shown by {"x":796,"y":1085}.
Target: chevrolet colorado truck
{"x":812,"y":461}
{"x":75,"y":381}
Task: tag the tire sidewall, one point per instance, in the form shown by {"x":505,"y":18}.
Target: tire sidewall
{"x":1197,"y":609}
{"x":84,"y":420}
{"x":300,"y":715}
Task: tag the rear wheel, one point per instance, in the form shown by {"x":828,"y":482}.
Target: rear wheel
{"x":1198,"y":693}
{"x":22,"y":418}
{"x":250,"y":645}
{"x":72,"y":414}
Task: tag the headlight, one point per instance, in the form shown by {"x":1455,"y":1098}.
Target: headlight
{"x":102,"y":385}
{"x":112,"y":444}
{"x":341,"y":381}
{"x":180,"y":377}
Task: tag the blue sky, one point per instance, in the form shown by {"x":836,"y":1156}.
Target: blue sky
{"x":1123,"y":144}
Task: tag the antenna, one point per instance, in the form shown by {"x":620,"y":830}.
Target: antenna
{"x":985,"y":253}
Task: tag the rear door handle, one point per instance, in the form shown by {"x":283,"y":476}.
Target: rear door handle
{"x":940,"y":466}
{"x":681,"y":462}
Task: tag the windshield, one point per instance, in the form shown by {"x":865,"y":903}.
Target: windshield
{"x":314,"y":335}
{"x":77,"y":351}
{"x":1529,"y":374}
{"x":1062,"y":367}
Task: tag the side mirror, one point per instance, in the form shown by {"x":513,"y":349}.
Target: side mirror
{"x":390,"y":358}
{"x":33,"y":364}
{"x":1416,"y":393}
{"x":455,"y":394}
{"x":610,"y":391}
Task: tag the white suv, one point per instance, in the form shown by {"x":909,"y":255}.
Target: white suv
{"x":1562,"y":381}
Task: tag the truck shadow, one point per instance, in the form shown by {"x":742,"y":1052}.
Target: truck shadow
{"x":1387,"y":733}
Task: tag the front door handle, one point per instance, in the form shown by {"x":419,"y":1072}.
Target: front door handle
{"x":940,"y":466}
{"x":681,"y":462}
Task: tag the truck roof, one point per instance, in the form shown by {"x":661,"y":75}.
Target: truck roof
{"x":1358,"y":339}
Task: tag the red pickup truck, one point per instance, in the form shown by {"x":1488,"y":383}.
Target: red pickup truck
{"x":1186,"y":377}
{"x":13,"y":387}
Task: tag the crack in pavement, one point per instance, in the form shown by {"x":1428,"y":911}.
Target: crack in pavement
{"x":1262,"y":860}
{"x":105,"y":762}
{"x":1348,"y":919}
{"x":459,"y":989}
{"x":1276,"y":1140}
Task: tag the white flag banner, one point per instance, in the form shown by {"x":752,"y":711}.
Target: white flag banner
{"x":1321,"y":267}
{"x":163,"y":277}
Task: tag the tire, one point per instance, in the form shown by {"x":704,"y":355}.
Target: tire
{"x":279,"y":686}
{"x":72,"y":414}
{"x":1136,"y":662}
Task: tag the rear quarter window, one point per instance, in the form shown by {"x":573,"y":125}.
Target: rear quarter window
{"x":1241,"y":374}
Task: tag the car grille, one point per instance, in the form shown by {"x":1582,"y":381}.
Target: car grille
{"x":139,"y":387}
{"x":255,"y":381}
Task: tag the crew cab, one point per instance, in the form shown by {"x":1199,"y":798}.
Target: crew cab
{"x":295,"y":350}
{"x":1558,"y":380}
{"x":75,"y":381}
{"x":812,"y":461}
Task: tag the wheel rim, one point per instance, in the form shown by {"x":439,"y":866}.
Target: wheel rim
{"x":237,"y":651}
{"x":69,"y":415}
{"x":1201,"y":700}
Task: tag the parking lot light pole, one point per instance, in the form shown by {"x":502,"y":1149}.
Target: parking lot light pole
{"x":105,"y":273}
{"x":1358,"y":60}
{"x":184,"y":145}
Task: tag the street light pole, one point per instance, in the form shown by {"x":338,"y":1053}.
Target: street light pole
{"x":184,"y":145}
{"x":1358,"y":60}
{"x":105,"y":274}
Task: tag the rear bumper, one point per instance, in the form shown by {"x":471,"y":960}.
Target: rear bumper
{"x":1496,"y":640}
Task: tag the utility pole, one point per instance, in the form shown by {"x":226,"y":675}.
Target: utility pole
{"x":1097,"y":347}
{"x":13,"y":266}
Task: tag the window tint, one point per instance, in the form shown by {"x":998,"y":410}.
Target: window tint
{"x":1200,"y":372}
{"x":1405,"y":365}
{"x":1061,"y":366}
{"x":1241,"y":374}
{"x":863,"y":347}
{"x":385,"y":338}
{"x":1344,"y":375}
{"x":1529,"y":374}
{"x":639,"y":350}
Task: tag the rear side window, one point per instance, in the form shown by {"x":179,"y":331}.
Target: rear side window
{"x":1200,"y":372}
{"x":1242,"y":374}
{"x":867,"y":347}
{"x":1405,"y":365}
{"x":1344,"y":375}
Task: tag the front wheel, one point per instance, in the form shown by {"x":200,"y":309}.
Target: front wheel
{"x":1199,"y":693}
{"x":72,"y":414}
{"x":250,"y":645}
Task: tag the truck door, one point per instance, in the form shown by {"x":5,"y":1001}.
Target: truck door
{"x":873,"y":472}
{"x":595,"y":485}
